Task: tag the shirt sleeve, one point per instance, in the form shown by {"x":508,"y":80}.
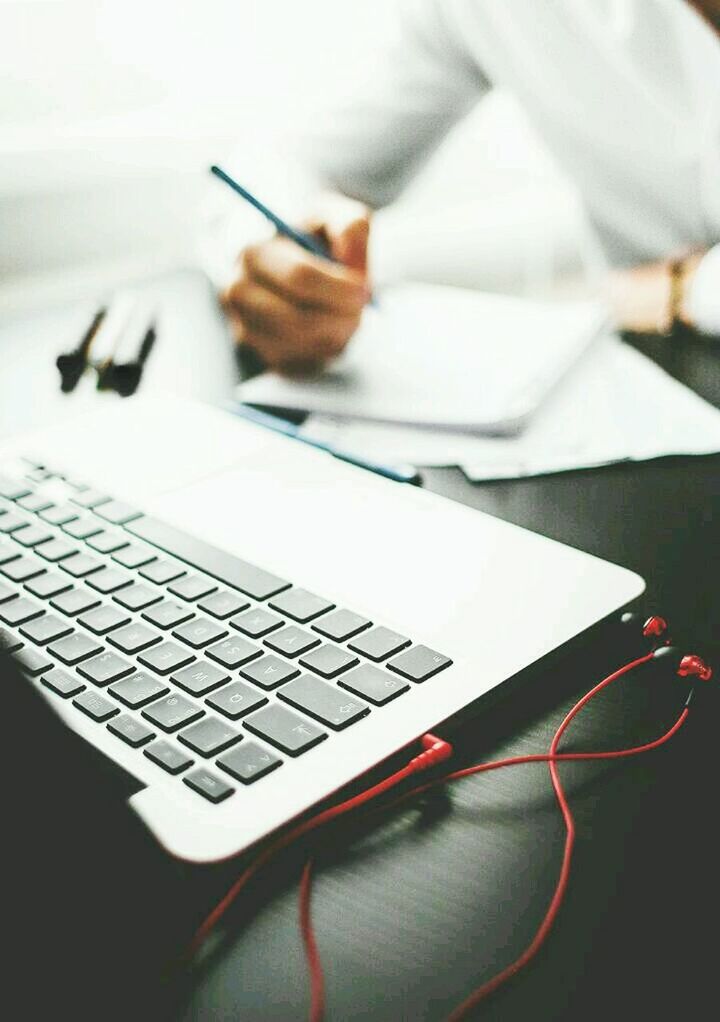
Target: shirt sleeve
{"x":422,"y":81}
{"x":704,"y":297}
{"x":366,"y":143}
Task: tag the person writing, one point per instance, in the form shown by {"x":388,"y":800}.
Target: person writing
{"x":625,"y":94}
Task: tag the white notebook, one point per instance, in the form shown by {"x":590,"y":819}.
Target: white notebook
{"x":443,"y":357}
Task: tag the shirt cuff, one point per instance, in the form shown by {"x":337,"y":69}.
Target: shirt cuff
{"x":703,"y":302}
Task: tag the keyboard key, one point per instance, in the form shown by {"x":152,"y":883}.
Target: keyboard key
{"x":95,"y":705}
{"x":200,"y":632}
{"x":199,"y":678}
{"x":82,"y":528}
{"x":32,"y":535}
{"x":329,"y":661}
{"x":284,"y":729}
{"x":74,"y":648}
{"x":22,"y":569}
{"x":130,"y":730}
{"x":172,"y":712}
{"x":326,"y":703}
{"x":80,"y":565}
{"x":11,"y":522}
{"x":209,"y":736}
{"x":49,"y":584}
{"x":7,"y":592}
{"x":33,"y":661}
{"x":56,"y":550}
{"x":39,"y":474}
{"x":419,"y":663}
{"x":8,"y":551}
{"x":161,"y":572}
{"x":223,"y":604}
{"x":373,"y":684}
{"x":17,"y":612}
{"x":134,"y":556}
{"x":169,"y":757}
{"x":292,"y":641}
{"x":233,"y":652}
{"x":379,"y":643}
{"x":234,"y":572}
{"x":76,"y":601}
{"x":59,"y":514}
{"x":192,"y":587}
{"x":139,"y":689}
{"x":300,"y":605}
{"x":167,"y":614}
{"x":257,"y":622}
{"x":138,"y":596}
{"x":109,"y":580}
{"x":134,"y":637}
{"x":105,"y":668}
{"x":12,"y":488}
{"x":166,"y":657}
{"x":9,"y":642}
{"x":62,"y":683}
{"x":117,"y":513}
{"x":209,"y":785}
{"x":104,"y":619}
{"x":270,"y":671}
{"x":45,"y":629}
{"x":108,"y":542}
{"x":248,"y":762}
{"x":89,"y":499}
{"x":236,"y":700}
{"x":34,"y":502}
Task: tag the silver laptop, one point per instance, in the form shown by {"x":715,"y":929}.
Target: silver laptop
{"x":246,"y":624}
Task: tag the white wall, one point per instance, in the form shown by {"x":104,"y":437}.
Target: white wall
{"x":111,"y":111}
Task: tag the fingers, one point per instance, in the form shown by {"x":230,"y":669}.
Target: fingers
{"x":287,"y":335}
{"x":288,"y":270}
{"x":295,"y":309}
{"x":344,"y":224}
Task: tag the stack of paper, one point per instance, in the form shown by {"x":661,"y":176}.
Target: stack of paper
{"x":446,"y":357}
{"x":501,"y":386}
{"x":615,"y":405}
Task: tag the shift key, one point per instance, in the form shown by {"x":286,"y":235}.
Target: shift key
{"x":284,"y":729}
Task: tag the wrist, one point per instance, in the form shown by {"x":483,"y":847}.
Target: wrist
{"x":683,"y":274}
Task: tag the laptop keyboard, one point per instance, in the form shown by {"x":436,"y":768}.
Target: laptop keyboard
{"x":216,"y":670}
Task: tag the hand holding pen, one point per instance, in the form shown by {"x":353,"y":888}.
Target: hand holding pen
{"x":297,"y":298}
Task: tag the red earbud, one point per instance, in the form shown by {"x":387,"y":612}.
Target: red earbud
{"x":684,"y":665}
{"x":655,"y":626}
{"x":649,"y":631}
{"x":695,"y":666}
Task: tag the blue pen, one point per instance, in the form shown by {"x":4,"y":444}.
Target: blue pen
{"x":399,"y":473}
{"x":306,"y":241}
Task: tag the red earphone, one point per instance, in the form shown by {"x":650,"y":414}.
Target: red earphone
{"x":649,"y":633}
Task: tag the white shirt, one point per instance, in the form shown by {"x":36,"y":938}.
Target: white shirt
{"x":624,"y":93}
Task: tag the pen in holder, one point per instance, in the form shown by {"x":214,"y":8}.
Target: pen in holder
{"x":130,"y":357}
{"x":116,"y":346}
{"x":74,"y":363}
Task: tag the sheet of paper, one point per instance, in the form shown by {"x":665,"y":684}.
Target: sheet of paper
{"x":444,"y":356}
{"x":615,"y":405}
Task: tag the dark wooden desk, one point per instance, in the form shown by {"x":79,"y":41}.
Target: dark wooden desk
{"x":417,"y":906}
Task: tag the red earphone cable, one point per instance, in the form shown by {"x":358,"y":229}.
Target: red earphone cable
{"x":552,"y":758}
{"x":312,"y":955}
{"x":435,"y":750}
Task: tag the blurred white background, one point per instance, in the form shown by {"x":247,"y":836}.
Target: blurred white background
{"x":111,"y":111}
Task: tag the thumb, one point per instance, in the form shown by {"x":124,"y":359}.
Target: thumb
{"x":344,"y":225}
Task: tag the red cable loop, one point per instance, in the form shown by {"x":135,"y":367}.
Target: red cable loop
{"x":436,"y":750}
{"x":552,"y":758}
